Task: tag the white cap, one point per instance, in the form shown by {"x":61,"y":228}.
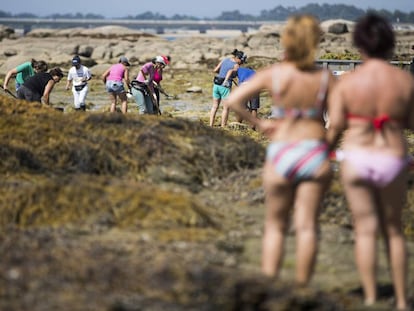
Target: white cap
{"x":160,"y":59}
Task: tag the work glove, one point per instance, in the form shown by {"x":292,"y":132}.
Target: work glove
{"x":226,"y":83}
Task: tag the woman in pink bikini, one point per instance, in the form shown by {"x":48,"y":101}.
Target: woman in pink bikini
{"x":374,"y":104}
{"x":297,"y":171}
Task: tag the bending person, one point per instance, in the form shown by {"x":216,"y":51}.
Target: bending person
{"x":38,"y":87}
{"x":296,"y":172}
{"x":158,"y":76}
{"x":374,"y":104}
{"x":253,"y":104}
{"x":23,"y":72}
{"x":144,"y":94}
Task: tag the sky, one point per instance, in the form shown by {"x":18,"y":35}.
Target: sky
{"x":196,"y":8}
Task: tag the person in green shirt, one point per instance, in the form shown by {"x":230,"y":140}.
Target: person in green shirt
{"x":23,"y":72}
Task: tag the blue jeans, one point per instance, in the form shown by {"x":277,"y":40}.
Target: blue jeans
{"x":144,"y":102}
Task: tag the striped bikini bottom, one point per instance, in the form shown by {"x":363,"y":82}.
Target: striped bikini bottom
{"x":297,"y":160}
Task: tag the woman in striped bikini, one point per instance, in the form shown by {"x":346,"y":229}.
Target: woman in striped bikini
{"x":297,"y":170}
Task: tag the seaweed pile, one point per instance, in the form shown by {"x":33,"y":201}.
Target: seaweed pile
{"x":103,"y":211}
{"x":58,"y":168}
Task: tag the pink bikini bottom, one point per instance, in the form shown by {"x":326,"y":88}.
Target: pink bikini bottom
{"x":378,"y":168}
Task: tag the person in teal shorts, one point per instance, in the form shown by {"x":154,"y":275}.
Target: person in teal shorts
{"x":225,"y":72}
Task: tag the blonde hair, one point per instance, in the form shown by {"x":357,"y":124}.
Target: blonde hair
{"x":300,"y":38}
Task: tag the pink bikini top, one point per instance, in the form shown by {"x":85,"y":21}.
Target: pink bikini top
{"x":377,"y":122}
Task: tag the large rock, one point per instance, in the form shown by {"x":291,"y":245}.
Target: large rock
{"x":6,"y":32}
{"x":114,"y":32}
{"x":337,"y":23}
{"x":338,"y":28}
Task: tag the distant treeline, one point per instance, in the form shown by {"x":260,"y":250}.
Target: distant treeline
{"x":279,"y":13}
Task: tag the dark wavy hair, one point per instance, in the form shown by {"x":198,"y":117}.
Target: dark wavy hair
{"x":374,"y":36}
{"x":40,"y":66}
{"x":237,"y":53}
{"x":56,"y":72}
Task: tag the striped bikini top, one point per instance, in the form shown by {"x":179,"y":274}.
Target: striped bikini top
{"x":279,"y":112}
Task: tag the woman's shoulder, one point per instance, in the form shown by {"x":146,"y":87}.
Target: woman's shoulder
{"x":24,"y":66}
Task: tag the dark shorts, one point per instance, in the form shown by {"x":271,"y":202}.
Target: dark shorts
{"x":253,"y":103}
{"x":27,"y":94}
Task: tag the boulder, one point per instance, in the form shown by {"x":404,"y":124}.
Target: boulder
{"x":114,"y":32}
{"x":6,"y":32}
{"x":99,"y":69}
{"x":325,"y":25}
{"x":41,"y":33}
{"x":338,"y":28}
{"x":85,"y":51}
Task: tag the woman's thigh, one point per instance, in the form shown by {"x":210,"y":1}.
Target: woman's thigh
{"x":308,"y":201}
{"x":362,"y":199}
{"x":393,"y":198}
{"x":279,"y":194}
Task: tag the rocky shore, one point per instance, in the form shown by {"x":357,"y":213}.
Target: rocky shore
{"x":116,"y":212}
{"x":101,"y":46}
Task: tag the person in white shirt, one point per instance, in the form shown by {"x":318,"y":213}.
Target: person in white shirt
{"x":78,"y":76}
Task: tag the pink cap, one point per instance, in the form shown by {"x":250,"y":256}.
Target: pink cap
{"x":165,"y":59}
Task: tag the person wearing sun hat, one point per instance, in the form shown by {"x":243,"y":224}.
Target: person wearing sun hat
{"x":114,"y":78}
{"x":78,"y":77}
{"x":158,"y":77}
{"x":143,"y":86}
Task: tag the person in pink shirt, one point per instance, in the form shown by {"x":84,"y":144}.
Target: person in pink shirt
{"x":114,"y":79}
{"x":144,"y":96}
{"x":158,"y":78}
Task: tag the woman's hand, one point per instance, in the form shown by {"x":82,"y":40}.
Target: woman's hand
{"x":267,"y":127}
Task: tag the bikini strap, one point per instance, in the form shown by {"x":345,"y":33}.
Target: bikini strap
{"x":275,"y":83}
{"x":323,"y":89}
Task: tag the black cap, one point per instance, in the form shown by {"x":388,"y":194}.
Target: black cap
{"x":76,"y":60}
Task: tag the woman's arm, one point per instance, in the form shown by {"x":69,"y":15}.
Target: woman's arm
{"x":410,"y":124}
{"x":69,"y":81}
{"x":126,"y":77}
{"x":88,"y":75}
{"x":48,"y":90}
{"x":105,"y":75}
{"x":217,"y":69}
{"x":230,"y":74}
{"x":10,"y":73}
{"x":336,"y":115}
